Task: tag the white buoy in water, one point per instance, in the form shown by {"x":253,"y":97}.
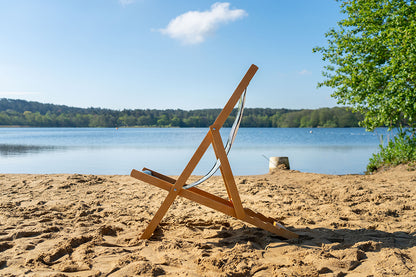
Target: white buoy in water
{"x":278,"y":162}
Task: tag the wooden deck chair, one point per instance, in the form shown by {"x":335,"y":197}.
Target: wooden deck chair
{"x":231,"y":206}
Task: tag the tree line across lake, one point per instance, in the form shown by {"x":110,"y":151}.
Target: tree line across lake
{"x":34,"y":114}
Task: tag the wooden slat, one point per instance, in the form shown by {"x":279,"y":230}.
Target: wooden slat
{"x":159,"y":214}
{"x":209,"y":202}
{"x":177,"y":187}
{"x":278,"y":230}
{"x":228,"y":108}
{"x":151,"y":180}
{"x":260,"y":216}
{"x":193,"y":194}
{"x":200,"y":151}
{"x":161,"y":176}
{"x":211,"y":196}
{"x":226,"y":172}
{"x":166,"y":185}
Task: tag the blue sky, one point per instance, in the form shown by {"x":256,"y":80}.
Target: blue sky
{"x":170,"y":54}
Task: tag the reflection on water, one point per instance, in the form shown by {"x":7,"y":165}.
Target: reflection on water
{"x":110,"y":151}
{"x":21,"y":149}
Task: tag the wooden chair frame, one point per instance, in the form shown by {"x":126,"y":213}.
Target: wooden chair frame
{"x":232,"y":207}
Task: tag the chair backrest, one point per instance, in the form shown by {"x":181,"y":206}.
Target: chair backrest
{"x":231,"y":138}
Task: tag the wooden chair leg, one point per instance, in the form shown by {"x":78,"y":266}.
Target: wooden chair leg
{"x":226,"y":172}
{"x":159,"y":214}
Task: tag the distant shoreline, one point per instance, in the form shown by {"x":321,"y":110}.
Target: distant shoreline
{"x":15,"y":112}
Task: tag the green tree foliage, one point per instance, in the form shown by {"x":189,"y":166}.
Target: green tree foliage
{"x":401,"y":149}
{"x":372,"y":66}
{"x":25,"y":113}
{"x":372,"y":61}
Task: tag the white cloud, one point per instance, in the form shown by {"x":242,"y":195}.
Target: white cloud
{"x":126,"y":2}
{"x":305,"y":72}
{"x":193,"y":27}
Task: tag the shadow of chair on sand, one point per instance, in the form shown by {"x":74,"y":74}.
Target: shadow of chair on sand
{"x":365,"y":239}
{"x":317,"y":250}
{"x":316,"y":237}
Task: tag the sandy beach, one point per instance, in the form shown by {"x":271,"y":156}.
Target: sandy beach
{"x":87,"y":225}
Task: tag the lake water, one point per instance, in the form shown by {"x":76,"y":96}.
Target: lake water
{"x":111,"y":151}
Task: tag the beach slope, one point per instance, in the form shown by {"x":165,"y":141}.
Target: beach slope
{"x":87,"y":225}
